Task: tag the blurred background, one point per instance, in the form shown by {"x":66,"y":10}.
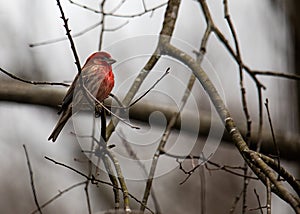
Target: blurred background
{"x":268,"y":33}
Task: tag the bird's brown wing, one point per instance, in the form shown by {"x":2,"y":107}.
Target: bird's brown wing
{"x":68,"y":97}
{"x":92,"y":77}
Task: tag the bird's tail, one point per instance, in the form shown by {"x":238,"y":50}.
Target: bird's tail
{"x":60,"y":124}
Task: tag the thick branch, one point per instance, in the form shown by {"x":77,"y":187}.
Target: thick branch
{"x":166,"y":33}
{"x":254,"y":161}
{"x":51,"y":96}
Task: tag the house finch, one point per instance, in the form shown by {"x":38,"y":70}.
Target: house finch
{"x":97,"y":77}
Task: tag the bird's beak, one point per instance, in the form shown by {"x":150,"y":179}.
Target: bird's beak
{"x":111,"y":61}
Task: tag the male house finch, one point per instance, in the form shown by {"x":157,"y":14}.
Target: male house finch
{"x":97,"y":77}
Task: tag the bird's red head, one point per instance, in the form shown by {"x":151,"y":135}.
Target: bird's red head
{"x":100,"y":58}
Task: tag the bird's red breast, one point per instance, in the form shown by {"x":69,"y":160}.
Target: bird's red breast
{"x":97,"y":77}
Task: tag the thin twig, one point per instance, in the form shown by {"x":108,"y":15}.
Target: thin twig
{"x":68,"y":33}
{"x":164,"y":139}
{"x":282,"y":171}
{"x":276,"y":74}
{"x":102,"y":105}
{"x":144,"y":5}
{"x":165,"y":36}
{"x":113,"y":179}
{"x":189,"y":172}
{"x":32,"y":181}
{"x":118,"y":6}
{"x":144,"y":94}
{"x":212,"y":27}
{"x":107,"y":153}
{"x":86,"y":188}
{"x":80,"y":33}
{"x":260,"y":123}
{"x":253,"y":160}
{"x":32,"y":82}
{"x":112,"y":13}
{"x":60,"y":193}
{"x":240,"y":64}
{"x":245,"y":188}
{"x":269,"y":195}
{"x":258,"y":201}
{"x":121,"y":106}
{"x":243,"y":97}
{"x":273,"y":136}
{"x":263,"y":171}
{"x":103,"y":26}
{"x":111,"y":173}
{"x":225,"y":168}
{"x":116,"y":27}
{"x":235,"y":202}
{"x":116,"y":165}
{"x":93,"y":179}
{"x":133,"y":155}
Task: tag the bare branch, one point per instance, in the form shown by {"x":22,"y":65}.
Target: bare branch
{"x":103,"y":26}
{"x":165,"y":34}
{"x":93,"y":179}
{"x":132,"y":154}
{"x":32,"y":181}
{"x":112,"y":13}
{"x":144,"y":94}
{"x":52,"y":96}
{"x":273,"y":135}
{"x":68,"y":31}
{"x":268,"y":184}
{"x":258,"y":201}
{"x":32,"y":45}
{"x":235,"y":202}
{"x":276,"y":74}
{"x":225,"y":168}
{"x":103,"y":106}
{"x":30,"y":81}
{"x":260,"y":168}
{"x":60,"y":193}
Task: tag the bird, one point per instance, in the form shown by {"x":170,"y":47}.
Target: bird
{"x":97,"y":77}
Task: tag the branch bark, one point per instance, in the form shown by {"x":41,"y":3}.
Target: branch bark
{"x":15,"y":91}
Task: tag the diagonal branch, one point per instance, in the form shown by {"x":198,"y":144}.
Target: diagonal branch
{"x":254,"y":161}
{"x":93,"y":179}
{"x":32,"y":181}
{"x":68,"y":33}
{"x":165,"y":35}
